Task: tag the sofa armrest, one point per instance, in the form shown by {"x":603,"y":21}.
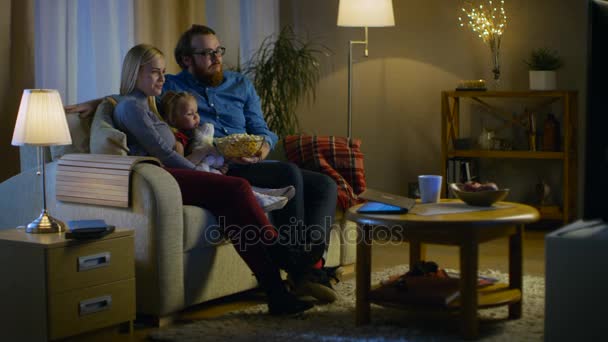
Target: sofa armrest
{"x":159,"y":250}
{"x":155,"y":213}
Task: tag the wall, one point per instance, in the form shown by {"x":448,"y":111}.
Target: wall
{"x":396,"y":90}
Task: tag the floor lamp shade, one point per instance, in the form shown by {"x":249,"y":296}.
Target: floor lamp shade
{"x":366,"y":13}
{"x":41,"y":119}
{"x":362,"y":13}
{"x":41,"y":122}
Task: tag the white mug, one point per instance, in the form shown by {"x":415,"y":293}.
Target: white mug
{"x":430,"y":188}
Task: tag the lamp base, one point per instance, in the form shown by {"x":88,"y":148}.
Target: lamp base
{"x":45,"y":223}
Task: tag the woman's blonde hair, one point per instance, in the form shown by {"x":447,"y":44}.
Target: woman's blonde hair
{"x":137,"y":56}
{"x":169,"y":103}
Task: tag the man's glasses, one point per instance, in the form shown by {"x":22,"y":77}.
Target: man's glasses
{"x":220,"y":51}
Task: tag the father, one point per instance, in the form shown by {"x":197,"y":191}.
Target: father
{"x":229,"y":101}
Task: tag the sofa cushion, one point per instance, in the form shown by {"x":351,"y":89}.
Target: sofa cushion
{"x":200,"y":228}
{"x":105,"y":139}
{"x":80,"y":130}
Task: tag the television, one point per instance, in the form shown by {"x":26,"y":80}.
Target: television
{"x":596,"y":150}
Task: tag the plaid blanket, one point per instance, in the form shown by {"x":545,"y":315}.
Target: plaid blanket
{"x":338,"y":157}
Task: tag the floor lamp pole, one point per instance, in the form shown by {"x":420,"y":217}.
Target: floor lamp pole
{"x":350,"y":80}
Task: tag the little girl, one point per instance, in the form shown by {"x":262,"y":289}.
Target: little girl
{"x":180,"y":112}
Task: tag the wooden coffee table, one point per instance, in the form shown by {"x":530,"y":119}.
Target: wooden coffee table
{"x":466,"y":230}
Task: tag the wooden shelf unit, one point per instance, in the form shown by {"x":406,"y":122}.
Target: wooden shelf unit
{"x":450,"y":128}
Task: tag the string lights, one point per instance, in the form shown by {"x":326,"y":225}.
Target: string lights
{"x":488,"y":20}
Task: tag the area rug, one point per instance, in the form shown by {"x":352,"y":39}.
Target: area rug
{"x":335,"y":322}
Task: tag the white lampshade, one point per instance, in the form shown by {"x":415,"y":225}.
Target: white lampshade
{"x":41,"y":120}
{"x":366,"y":13}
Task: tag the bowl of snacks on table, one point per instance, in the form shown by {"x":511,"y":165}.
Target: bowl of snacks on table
{"x":239,"y":145}
{"x":478,"y":194}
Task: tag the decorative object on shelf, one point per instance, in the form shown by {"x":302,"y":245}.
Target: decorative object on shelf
{"x":543,"y":64}
{"x":488,"y":20}
{"x":543,"y":192}
{"x":41,"y":121}
{"x":479,"y":85}
{"x":501,"y":144}
{"x":551,"y":135}
{"x":531,"y":132}
{"x":284,"y":70}
{"x":362,"y":13}
{"x":486,"y":138}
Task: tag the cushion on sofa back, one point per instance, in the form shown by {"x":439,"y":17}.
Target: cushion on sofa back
{"x":80,"y":129}
{"x":105,"y":139}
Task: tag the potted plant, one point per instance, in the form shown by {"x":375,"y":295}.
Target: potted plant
{"x":284,"y":70}
{"x":543,"y":64}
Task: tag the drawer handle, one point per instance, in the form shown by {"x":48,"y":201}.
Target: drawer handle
{"x":89,"y":306}
{"x":90,"y":262}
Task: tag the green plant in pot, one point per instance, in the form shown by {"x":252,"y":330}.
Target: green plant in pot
{"x":543,"y":65}
{"x":285,"y":70}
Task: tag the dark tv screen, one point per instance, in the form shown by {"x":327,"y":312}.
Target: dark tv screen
{"x":596,"y":157}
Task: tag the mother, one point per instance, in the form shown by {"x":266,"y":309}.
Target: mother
{"x":228,"y":198}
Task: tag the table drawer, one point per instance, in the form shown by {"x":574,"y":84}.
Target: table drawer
{"x":87,"y":264}
{"x":78,"y":311}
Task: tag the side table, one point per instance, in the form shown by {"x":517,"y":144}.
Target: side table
{"x":52,"y":287}
{"x":465,"y":230}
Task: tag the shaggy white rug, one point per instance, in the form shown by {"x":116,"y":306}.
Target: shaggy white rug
{"x":335,"y":322}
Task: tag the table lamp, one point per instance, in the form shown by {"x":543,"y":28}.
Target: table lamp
{"x":362,"y":13}
{"x":41,"y":122}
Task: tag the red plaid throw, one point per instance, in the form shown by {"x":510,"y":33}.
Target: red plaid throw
{"x":338,"y":157}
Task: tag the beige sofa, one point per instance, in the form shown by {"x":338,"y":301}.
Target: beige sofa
{"x":176,"y":266}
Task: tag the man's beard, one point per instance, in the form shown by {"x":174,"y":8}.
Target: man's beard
{"x":214,"y":79}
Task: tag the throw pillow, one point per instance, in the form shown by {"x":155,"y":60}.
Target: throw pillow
{"x":80,"y":130}
{"x":338,"y":157}
{"x":105,"y":139}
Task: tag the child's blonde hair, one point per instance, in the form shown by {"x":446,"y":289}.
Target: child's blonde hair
{"x":169,"y":104}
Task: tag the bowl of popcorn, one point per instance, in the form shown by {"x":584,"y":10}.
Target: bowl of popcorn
{"x":479,"y":194}
{"x":239,"y":145}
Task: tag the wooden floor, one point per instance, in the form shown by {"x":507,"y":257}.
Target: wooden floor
{"x":492,"y":255}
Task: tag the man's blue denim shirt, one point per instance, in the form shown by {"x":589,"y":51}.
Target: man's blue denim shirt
{"x":232,"y":107}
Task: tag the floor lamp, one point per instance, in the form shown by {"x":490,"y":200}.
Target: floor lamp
{"x":362,"y":13}
{"x":41,"y":122}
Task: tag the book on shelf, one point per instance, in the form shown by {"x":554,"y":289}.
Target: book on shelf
{"x":459,"y":170}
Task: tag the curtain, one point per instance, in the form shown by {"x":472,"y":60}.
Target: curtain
{"x":16,"y":74}
{"x":242,"y":26}
{"x":223,"y":18}
{"x":259,"y":20}
{"x":80,"y":45}
{"x":161,"y":22}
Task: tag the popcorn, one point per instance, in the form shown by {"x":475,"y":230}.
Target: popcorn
{"x":239,"y":145}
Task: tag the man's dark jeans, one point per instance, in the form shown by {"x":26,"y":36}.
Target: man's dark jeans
{"x":305,"y":222}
